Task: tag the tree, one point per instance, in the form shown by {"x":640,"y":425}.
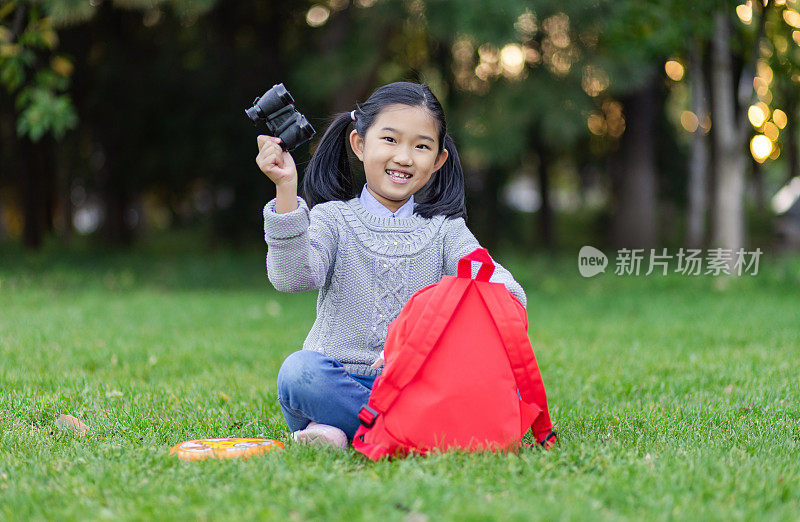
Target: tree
{"x":37,"y":77}
{"x":698,"y":183}
{"x":36,"y":71}
{"x":728,"y":158}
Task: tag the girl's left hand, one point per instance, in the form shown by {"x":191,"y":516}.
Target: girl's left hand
{"x":379,"y":362}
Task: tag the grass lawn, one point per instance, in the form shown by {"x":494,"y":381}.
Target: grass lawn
{"x":675,"y":397}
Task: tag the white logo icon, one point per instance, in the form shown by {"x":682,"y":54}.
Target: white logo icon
{"x":591,"y":261}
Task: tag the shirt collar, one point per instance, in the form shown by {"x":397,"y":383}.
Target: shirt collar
{"x":375,"y":207}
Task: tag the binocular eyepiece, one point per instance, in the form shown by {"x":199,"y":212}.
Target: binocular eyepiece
{"x":276,"y":109}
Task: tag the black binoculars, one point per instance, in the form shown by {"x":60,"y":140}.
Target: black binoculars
{"x":276,"y":109}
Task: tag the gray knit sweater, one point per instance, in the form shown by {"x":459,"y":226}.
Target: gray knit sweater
{"x":365,"y":268}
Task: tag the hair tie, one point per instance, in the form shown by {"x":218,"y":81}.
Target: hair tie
{"x":353,"y":115}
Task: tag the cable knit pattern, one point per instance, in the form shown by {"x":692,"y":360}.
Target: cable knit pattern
{"x":365,"y":268}
{"x":390,"y":296}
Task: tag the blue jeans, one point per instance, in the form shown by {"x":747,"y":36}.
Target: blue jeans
{"x":314,"y":387}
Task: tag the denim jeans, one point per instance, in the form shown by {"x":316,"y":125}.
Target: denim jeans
{"x":314,"y":387}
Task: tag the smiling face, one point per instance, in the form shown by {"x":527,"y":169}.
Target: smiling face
{"x":399,"y":153}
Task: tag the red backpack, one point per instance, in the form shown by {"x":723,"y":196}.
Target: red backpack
{"x":460,"y":372}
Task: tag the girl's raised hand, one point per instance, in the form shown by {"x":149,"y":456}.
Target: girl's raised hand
{"x":275,"y":162}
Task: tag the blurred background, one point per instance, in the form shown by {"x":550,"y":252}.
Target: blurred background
{"x":611,"y":123}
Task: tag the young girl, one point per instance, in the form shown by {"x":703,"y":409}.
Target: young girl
{"x":366,"y":255}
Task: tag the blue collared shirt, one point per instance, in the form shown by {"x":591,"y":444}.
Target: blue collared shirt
{"x":376,"y":208}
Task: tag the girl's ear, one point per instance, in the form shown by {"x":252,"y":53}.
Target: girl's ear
{"x":440,"y":160}
{"x":357,"y":144}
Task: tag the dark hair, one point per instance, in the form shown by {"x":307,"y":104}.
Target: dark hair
{"x":328,"y":176}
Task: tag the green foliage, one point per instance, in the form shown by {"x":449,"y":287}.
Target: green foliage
{"x":69,"y":12}
{"x":180,"y":66}
{"x":41,"y":100}
{"x":42,"y":111}
{"x":12,"y":67}
{"x":72,"y":12}
{"x":487,"y":22}
{"x":41,"y":103}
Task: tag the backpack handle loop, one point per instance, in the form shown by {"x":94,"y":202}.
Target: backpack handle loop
{"x":480,"y":255}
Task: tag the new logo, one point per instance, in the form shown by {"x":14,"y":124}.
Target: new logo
{"x":591,"y":261}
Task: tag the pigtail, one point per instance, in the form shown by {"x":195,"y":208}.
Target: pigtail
{"x":328,"y":176}
{"x":444,"y":193}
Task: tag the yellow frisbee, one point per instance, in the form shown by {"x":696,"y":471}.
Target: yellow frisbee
{"x":230,"y":448}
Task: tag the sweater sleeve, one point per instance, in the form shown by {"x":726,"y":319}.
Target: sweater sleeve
{"x":301,"y":246}
{"x":459,"y":241}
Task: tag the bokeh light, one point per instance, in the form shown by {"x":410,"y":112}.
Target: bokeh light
{"x":771,"y":131}
{"x":596,"y":124}
{"x":463,"y":50}
{"x":483,"y":70}
{"x":756,"y":115}
{"x":317,"y":15}
{"x":594,"y":80}
{"x":764,"y":71}
{"x":760,"y":147}
{"x":760,"y":86}
{"x":705,"y":123}
{"x":488,"y":53}
{"x":532,"y":56}
{"x":745,"y":13}
{"x":792,"y":18}
{"x":674,"y":70}
{"x":512,"y":59}
{"x":526,"y":25}
{"x":558,"y":53}
{"x":689,"y":121}
{"x":780,"y":118}
{"x":615,"y":120}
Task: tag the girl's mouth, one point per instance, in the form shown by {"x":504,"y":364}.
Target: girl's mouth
{"x":398,"y":176}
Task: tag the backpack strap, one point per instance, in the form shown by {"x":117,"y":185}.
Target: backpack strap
{"x":446,"y":296}
{"x":481,"y":255}
{"x":520,"y":354}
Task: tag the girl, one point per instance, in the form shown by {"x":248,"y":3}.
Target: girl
{"x":366,"y":255}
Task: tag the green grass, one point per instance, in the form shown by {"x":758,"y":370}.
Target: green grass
{"x":674,"y":397}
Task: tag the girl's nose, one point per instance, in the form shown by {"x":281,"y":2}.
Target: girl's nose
{"x":403,"y":158}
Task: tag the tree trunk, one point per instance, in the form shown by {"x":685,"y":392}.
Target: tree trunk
{"x":790,"y":143}
{"x":64,"y":196}
{"x":728,"y":223}
{"x":49,"y":188}
{"x":698,"y":154}
{"x":493,"y":183}
{"x":31,"y":194}
{"x":3,"y":233}
{"x":634,"y":222}
{"x":116,"y":201}
{"x":116,"y":197}
{"x":759,"y":190}
{"x":545,"y":210}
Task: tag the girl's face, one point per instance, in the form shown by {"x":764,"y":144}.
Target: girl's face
{"x":399,"y":153}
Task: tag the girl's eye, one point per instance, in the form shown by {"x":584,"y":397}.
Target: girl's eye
{"x":392,"y":140}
